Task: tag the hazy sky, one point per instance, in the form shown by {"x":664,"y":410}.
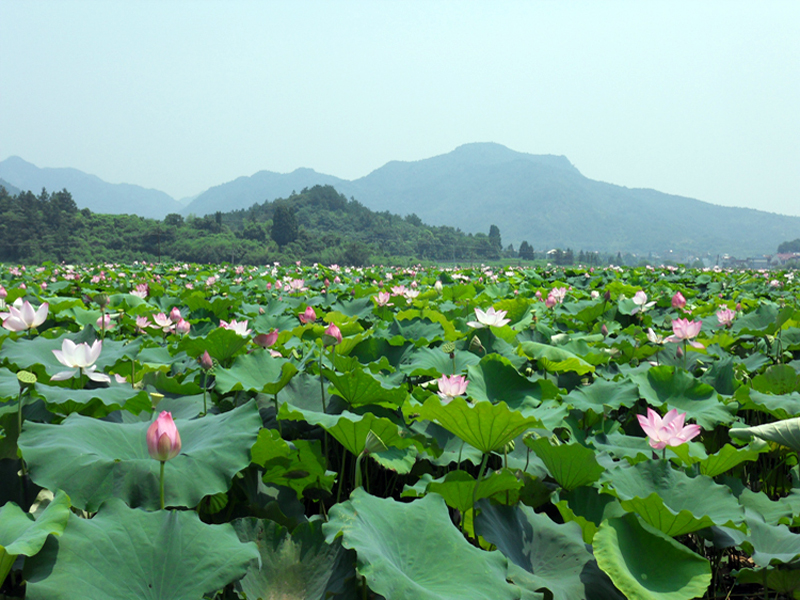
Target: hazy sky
{"x":697,"y":98}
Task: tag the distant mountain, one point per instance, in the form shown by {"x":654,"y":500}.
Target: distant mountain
{"x":243,"y":192}
{"x":13,"y":191}
{"x":89,"y":191}
{"x":544,"y":200}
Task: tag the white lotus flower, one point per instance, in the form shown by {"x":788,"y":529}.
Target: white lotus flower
{"x":80,"y":358}
{"x":21,"y":316}
{"x":490,"y":318}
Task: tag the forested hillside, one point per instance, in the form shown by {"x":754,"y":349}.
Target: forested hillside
{"x":317,"y":225}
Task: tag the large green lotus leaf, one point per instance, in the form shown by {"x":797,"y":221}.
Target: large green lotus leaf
{"x":20,"y":534}
{"x":359,"y":388}
{"x":582,"y":349}
{"x":786,"y":433}
{"x":517,"y":309}
{"x":603,"y":395}
{"x":434,"y":316}
{"x":453,"y":448}
{"x":781,"y":407}
{"x":130,"y":554}
{"x":95,"y":460}
{"x":457,"y":487}
{"x":493,"y":343}
{"x":485,"y":426}
{"x":257,"y":372}
{"x":298,"y":466}
{"x":646,"y":564}
{"x":112,"y":398}
{"x":429,"y":362}
{"x":412,"y":551}
{"x":300,"y":565}
{"x":495,"y":379}
{"x":782,"y":580}
{"x":374,"y":350}
{"x":632,"y":448}
{"x":420,"y":332}
{"x":729,"y":456}
{"x":571,"y":465}
{"x":770,"y":544}
{"x":556,"y":359}
{"x":588,"y":508}
{"x":670,"y":500}
{"x":676,"y":388}
{"x":765,"y":320}
{"x":221,"y":344}
{"x":772,"y":512}
{"x":544,"y":555}
{"x":219,"y":306}
{"x":350,"y":429}
{"x":778,"y":380}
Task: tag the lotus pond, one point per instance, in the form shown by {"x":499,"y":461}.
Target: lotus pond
{"x":293,"y":432}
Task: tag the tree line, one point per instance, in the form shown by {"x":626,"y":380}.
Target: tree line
{"x":315,"y":225}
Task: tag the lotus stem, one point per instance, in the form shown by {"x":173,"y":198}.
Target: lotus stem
{"x":477,"y":483}
{"x":162,"y":484}
{"x":205,"y":391}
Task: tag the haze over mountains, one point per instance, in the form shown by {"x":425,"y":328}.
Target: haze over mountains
{"x":543,"y":199}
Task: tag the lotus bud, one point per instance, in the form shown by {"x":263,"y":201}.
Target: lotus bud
{"x":175,"y":315}
{"x":332,"y":335}
{"x":265,"y":340}
{"x":309,"y":316}
{"x":678,"y":301}
{"x":183,"y":326}
{"x":438,"y":286}
{"x":679,"y":352}
{"x":604,"y":330}
{"x":205,"y":361}
{"x":607,"y":296}
{"x":163,"y":439}
{"x":3,"y":293}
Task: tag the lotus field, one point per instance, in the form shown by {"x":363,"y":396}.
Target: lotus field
{"x":312,"y":432}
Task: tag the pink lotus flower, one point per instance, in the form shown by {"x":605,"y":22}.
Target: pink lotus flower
{"x":80,"y":358}
{"x":265,"y":340}
{"x":725,"y":317}
{"x":551,"y":301}
{"x":22,"y":316}
{"x":678,"y":301}
{"x":451,"y":386}
{"x":141,"y":290}
{"x":239,"y":327}
{"x":490,"y":318}
{"x":3,"y":293}
{"x":640,"y":300}
{"x":558,"y":294}
{"x":668,"y":431}
{"x":175,"y":315}
{"x":332,"y":335}
{"x":183,"y":327}
{"x":164,"y":322}
{"x":143,"y":323}
{"x":205,"y":361}
{"x":309,"y":316}
{"x":163,"y":439}
{"x":382,"y":299}
{"x":684,"y":330}
{"x":103,"y":322}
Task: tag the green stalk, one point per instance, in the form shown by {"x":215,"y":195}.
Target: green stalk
{"x":205,"y":381}
{"x":162,"y":484}
{"x":321,"y":380}
{"x":19,"y":412}
{"x":477,"y":482}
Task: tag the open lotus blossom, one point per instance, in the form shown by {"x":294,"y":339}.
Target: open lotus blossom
{"x":640,"y":300}
{"x":164,"y":322}
{"x":141,"y":290}
{"x":678,"y":301}
{"x":382,"y":299}
{"x":80,"y":358}
{"x":239,"y":327}
{"x":668,"y":431}
{"x":490,"y":318}
{"x":21,"y":315}
{"x":163,"y":439}
{"x":725,"y":317}
{"x":684,"y":330}
{"x":143,"y":323}
{"x":308,"y":316}
{"x":183,"y":326}
{"x":451,"y":386}
{"x":653,"y":337}
{"x":558,"y":294}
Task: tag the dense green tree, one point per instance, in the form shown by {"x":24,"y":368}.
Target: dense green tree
{"x":526,"y":251}
{"x":494,"y":237}
{"x":284,"y":225}
{"x":789,"y":247}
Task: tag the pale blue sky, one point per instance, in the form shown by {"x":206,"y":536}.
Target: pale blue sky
{"x":697,"y":98}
